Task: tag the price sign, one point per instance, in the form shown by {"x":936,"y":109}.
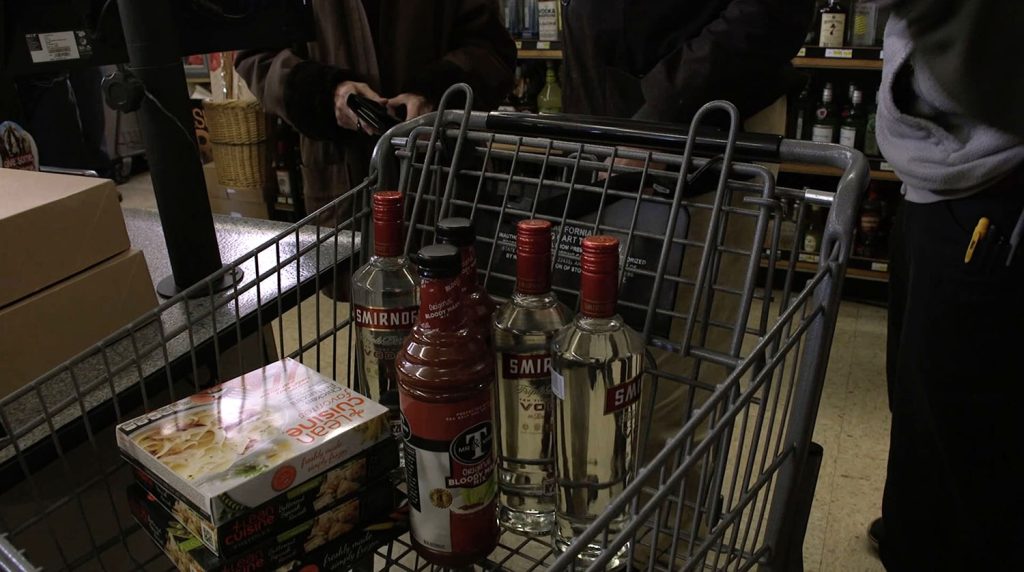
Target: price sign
{"x":845,"y":53}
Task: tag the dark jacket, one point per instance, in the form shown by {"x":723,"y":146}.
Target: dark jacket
{"x":660,"y":60}
{"x":422,"y":46}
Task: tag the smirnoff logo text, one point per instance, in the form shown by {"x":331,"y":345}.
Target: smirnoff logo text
{"x":528,"y":366}
{"x":622,"y":396}
{"x":386,"y":318}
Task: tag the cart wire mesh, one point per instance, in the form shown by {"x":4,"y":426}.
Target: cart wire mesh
{"x":738,"y":340}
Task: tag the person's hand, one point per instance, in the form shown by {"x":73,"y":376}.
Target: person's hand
{"x":347,"y":119}
{"x":621,"y":161}
{"x":415,"y":105}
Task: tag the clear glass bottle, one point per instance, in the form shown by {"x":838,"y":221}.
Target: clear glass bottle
{"x":851,"y":134}
{"x":385,"y":304}
{"x":833,"y":25}
{"x":597,"y":379}
{"x":445,"y":380}
{"x":523,"y":329}
{"x":460,"y":233}
{"x":549,"y":100}
{"x":826,"y":119}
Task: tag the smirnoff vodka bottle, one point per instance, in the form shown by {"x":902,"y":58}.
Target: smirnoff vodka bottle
{"x":596,"y":379}
{"x":523,"y":330}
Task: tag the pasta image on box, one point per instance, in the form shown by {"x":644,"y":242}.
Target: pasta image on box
{"x":287,"y":509}
{"x":239,"y":444}
{"x":333,"y":540}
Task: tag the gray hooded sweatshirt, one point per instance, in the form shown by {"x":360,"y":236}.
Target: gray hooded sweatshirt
{"x":939,"y":152}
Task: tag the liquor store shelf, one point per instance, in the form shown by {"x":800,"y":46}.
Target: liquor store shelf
{"x":851,"y":272}
{"x":801,"y":169}
{"x":810,"y":58}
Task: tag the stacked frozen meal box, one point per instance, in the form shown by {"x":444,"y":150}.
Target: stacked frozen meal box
{"x":279,"y":469}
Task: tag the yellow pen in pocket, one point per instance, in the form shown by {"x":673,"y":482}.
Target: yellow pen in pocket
{"x":980,"y":230}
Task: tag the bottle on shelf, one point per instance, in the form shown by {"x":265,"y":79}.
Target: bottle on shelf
{"x":852,"y":132}
{"x":385,"y":304}
{"x":597,"y":380}
{"x":529,"y":24}
{"x":815,"y":229}
{"x":549,"y":100}
{"x":478,"y":304}
{"x":848,"y":104}
{"x":864,"y":30}
{"x":870,"y":133}
{"x":811,"y":39}
{"x":523,"y":329}
{"x":511,"y":14}
{"x":804,"y":111}
{"x":445,"y":378}
{"x":287,"y":171}
{"x":825,"y":118}
{"x":832,"y":30}
{"x":869,"y":227}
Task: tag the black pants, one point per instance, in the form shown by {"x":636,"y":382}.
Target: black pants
{"x":954,"y":492}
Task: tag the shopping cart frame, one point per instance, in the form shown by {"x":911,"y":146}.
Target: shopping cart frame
{"x":422,"y":158}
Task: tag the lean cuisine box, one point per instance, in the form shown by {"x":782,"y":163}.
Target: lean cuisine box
{"x":334,"y":540}
{"x":288,"y":509}
{"x":243,"y":442}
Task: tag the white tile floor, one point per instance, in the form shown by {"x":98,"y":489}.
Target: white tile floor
{"x":852,"y":426}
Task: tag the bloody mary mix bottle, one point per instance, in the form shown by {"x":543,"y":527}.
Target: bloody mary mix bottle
{"x":445,"y":378}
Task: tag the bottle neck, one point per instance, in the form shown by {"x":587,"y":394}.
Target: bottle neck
{"x":387,"y":238}
{"x":533,"y":273}
{"x":598,"y":295}
{"x":440,"y":304}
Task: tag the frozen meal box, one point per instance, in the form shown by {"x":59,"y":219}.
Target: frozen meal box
{"x":245,"y":441}
{"x":54,"y":226}
{"x":250,"y":525}
{"x":334,"y":540}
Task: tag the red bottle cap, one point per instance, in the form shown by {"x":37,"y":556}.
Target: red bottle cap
{"x":533,"y":256}
{"x":387,"y":223}
{"x":599,"y":283}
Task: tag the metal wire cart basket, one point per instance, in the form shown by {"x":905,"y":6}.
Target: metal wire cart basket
{"x":738,"y":341}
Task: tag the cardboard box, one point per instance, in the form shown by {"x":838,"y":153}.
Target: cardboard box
{"x":54,"y":226}
{"x":332,"y":541}
{"x":46,"y":329}
{"x":239,"y":208}
{"x":236,"y":445}
{"x":249,"y":526}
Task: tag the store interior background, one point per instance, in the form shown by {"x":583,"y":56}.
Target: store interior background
{"x":853,"y":420}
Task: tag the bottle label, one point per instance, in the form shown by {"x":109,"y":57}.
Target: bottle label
{"x":833,"y":29}
{"x":524,"y":371}
{"x":284,"y":183}
{"x":449,"y":464}
{"x":379,"y":335}
{"x":822,"y":133}
{"x":440,"y":303}
{"x":557,"y":384}
{"x":810,"y":243}
{"x":622,"y":396}
{"x":799,"y":127}
{"x":848,"y":136}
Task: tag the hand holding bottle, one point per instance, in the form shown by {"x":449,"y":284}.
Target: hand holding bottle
{"x":347,"y":118}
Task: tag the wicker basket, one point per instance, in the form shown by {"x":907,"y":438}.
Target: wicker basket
{"x":238,"y":132}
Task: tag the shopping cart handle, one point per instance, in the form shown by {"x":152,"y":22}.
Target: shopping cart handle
{"x":614,"y":131}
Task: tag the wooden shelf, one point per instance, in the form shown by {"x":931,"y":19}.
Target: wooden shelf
{"x":803,"y":169}
{"x":539,"y":50}
{"x":857,"y":273}
{"x":846,"y":58}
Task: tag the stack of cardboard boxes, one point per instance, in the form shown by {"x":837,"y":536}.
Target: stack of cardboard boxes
{"x":248,"y":203}
{"x":279,"y":469}
{"x":68,"y":274}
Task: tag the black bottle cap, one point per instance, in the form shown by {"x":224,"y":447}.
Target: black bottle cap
{"x":438,"y":261}
{"x":457,"y":231}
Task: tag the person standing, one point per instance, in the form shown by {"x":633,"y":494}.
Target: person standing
{"x":660,"y":61}
{"x":401,"y":53}
{"x":950,"y":123}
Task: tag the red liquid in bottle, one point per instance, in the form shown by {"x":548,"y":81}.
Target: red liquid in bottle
{"x":445,"y":378}
{"x":479,"y":305}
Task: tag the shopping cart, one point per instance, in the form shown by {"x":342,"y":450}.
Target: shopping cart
{"x":738,"y":339}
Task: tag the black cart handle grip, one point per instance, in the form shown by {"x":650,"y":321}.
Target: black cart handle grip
{"x":612,"y":131}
